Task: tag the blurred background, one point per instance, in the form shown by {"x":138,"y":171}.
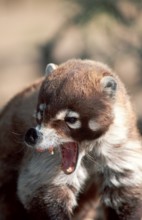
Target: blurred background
{"x":36,"y":32}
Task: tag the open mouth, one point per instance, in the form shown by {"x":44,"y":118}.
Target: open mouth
{"x":69,"y":153}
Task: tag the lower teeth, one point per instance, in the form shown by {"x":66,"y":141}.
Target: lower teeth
{"x":69,"y":170}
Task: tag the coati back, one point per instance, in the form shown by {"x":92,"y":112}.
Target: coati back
{"x":83,"y":110}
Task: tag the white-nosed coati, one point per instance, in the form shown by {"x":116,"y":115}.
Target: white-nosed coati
{"x":83,"y":110}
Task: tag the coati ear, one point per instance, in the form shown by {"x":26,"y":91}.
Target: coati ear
{"x":49,"y":68}
{"x":109,"y":85}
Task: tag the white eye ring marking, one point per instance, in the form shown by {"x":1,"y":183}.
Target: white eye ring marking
{"x":93,"y":125}
{"x":61,"y":115}
{"x":77,"y":123}
{"x":73,"y":114}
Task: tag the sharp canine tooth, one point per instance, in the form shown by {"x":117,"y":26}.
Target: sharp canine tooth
{"x":51,"y":150}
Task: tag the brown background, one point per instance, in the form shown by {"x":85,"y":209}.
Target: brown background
{"x":33,"y":33}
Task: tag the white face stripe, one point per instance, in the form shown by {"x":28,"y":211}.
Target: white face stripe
{"x":39,"y":116}
{"x":66,"y":113}
{"x":73,"y":114}
{"x":61,"y":115}
{"x":93,"y":125}
{"x":42,"y":106}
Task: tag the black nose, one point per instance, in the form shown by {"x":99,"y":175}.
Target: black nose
{"x":32,"y":136}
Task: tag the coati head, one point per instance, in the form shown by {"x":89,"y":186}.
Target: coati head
{"x":75,"y":107}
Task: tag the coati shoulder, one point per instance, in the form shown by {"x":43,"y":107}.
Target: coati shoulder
{"x":82,"y":110}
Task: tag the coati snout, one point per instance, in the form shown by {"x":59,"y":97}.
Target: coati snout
{"x":32,"y":137}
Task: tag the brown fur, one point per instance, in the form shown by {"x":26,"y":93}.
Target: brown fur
{"x":74,"y":85}
{"x":15,"y":119}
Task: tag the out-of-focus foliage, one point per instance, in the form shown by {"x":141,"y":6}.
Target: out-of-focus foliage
{"x":92,"y":8}
{"x":54,"y":31}
{"x":107,"y":30}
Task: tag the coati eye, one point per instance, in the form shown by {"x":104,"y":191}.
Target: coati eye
{"x":71,"y":120}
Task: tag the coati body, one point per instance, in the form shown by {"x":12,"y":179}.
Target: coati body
{"x":83,"y":110}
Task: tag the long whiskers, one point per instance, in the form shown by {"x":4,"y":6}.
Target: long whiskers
{"x":15,"y":133}
{"x":19,"y":140}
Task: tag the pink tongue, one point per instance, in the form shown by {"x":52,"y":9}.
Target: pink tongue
{"x":69,"y":157}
